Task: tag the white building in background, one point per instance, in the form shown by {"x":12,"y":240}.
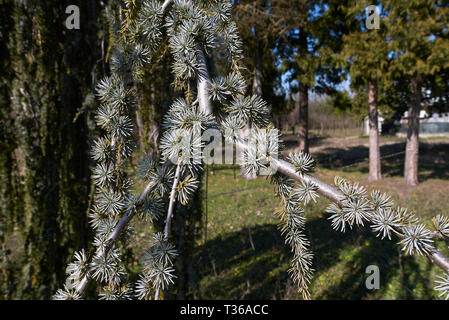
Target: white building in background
{"x":422,"y":116}
{"x":380,"y":122}
{"x":435,"y":125}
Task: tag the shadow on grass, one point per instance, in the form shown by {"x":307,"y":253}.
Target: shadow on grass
{"x":433,"y":163}
{"x":291,"y":141}
{"x":253,"y":264}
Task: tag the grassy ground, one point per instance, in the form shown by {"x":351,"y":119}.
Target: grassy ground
{"x":241,"y":254}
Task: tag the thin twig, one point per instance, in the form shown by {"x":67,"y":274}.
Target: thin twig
{"x":172,"y":202}
{"x":171,"y":207}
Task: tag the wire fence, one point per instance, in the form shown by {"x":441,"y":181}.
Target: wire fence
{"x":366,"y":160}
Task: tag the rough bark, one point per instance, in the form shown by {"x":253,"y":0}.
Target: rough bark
{"x":374,"y":153}
{"x":412,"y":146}
{"x":52,"y":78}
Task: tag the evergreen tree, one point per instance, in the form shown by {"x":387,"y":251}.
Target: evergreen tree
{"x":366,"y":55}
{"x":418,"y":33}
{"x":313,"y":38}
{"x":300,"y":61}
{"x":260,"y":25}
{"x":194,"y":30}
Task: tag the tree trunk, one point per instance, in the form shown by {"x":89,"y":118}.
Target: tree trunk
{"x":140,"y":128}
{"x":374,"y":154}
{"x":257,"y":79}
{"x":51,"y":134}
{"x":412,"y":146}
{"x":155,"y":118}
{"x":303,"y":121}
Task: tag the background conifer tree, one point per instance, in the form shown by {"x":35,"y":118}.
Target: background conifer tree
{"x":366,"y":54}
{"x":418,"y":33}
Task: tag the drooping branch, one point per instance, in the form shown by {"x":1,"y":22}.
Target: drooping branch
{"x":203,"y":81}
{"x":166,"y":4}
{"x":439,"y":259}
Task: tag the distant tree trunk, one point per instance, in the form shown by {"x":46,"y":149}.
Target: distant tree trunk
{"x":140,"y":128}
{"x":257,"y":79}
{"x":155,"y":118}
{"x":303,"y":121}
{"x":374,"y":154}
{"x":412,"y":146}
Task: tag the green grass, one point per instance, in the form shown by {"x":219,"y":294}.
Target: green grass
{"x":244,"y":256}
